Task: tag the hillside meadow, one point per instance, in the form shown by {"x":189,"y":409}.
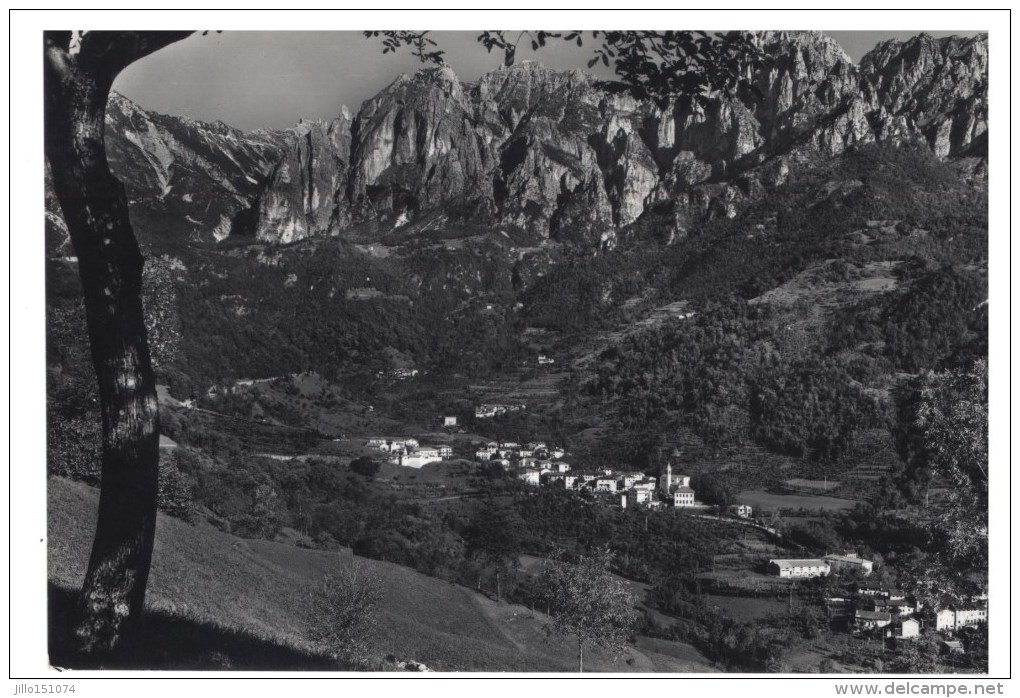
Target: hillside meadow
{"x":228,"y":596}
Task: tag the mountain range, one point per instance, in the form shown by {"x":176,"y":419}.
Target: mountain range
{"x":557,"y":154}
{"x":461,"y":228}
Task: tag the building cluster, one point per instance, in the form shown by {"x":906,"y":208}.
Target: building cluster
{"x":490,"y":410}
{"x":532,"y":460}
{"x":633,"y":488}
{"x":874,"y":606}
{"x":821,"y":567}
{"x":400,"y":374}
{"x":408,"y":452}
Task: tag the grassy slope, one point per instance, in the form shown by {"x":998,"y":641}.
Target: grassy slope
{"x":260,"y":588}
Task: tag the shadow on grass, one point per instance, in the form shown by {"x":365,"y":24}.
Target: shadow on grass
{"x":170,"y":642}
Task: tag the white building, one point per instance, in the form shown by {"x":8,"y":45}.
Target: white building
{"x":646,"y":485}
{"x":449,"y":421}
{"x":605,"y":484}
{"x":669,"y":482}
{"x":850,"y":563}
{"x":560,"y":466}
{"x":628,"y":479}
{"x":908,"y":628}
{"x":445,"y":451}
{"x":744,"y":511}
{"x":956,"y":618}
{"x":639,"y":496}
{"x":417,"y":460}
{"x":391,"y":444}
{"x":532,"y":477}
{"x":799,"y":568}
{"x":493,"y":410}
{"x":683,"y":497}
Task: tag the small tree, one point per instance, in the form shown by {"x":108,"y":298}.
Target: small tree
{"x":365,"y":466}
{"x":493,"y":541}
{"x":345,"y":610}
{"x":587,"y":601}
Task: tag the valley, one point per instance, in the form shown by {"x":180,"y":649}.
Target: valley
{"x":763,"y":295}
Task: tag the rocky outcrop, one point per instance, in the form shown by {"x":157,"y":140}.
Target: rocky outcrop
{"x":300,"y":198}
{"x":416,"y":146}
{"x":186,"y":178}
{"x":556,"y":154}
{"x":935,"y":87}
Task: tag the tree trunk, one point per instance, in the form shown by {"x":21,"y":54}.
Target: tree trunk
{"x":580,"y":655}
{"x":497,"y":586}
{"x":94,"y":204}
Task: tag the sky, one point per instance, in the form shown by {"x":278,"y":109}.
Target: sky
{"x":271,"y":79}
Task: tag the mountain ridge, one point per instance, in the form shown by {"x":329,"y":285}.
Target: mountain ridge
{"x":555,"y":153}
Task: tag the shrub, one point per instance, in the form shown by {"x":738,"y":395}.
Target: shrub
{"x":345,"y":610}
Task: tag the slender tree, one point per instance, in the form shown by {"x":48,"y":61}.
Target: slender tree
{"x":587,"y":601}
{"x":79,"y":70}
{"x":494,"y":542}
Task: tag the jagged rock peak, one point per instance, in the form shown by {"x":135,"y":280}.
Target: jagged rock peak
{"x":813,"y":54}
{"x":922,"y":45}
{"x":441,"y":77}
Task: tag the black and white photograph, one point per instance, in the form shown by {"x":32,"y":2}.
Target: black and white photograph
{"x":661,"y":349}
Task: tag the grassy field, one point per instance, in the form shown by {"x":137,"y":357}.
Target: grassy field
{"x":799,"y":483}
{"x":767,"y":501}
{"x":248,"y":593}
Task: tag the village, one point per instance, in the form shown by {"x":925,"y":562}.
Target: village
{"x":861,"y":607}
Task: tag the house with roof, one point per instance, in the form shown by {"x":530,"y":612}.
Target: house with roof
{"x":866,"y":620}
{"x":902,"y":607}
{"x":850,"y":563}
{"x":953,"y":618}
{"x":800,"y":568}
{"x":443,"y":451}
{"x":907,"y":628}
{"x":449,"y":421}
{"x":951,"y":647}
{"x":635,"y":496}
{"x":683,"y":497}
{"x":605,"y":484}
{"x":647,"y":484}
{"x":872,"y":589}
{"x":744,"y":511}
{"x":417,"y":459}
{"x":627,"y":480}
{"x":530,"y":476}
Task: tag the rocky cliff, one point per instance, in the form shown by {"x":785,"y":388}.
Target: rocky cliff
{"x":186,"y":178}
{"x":557,"y":154}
